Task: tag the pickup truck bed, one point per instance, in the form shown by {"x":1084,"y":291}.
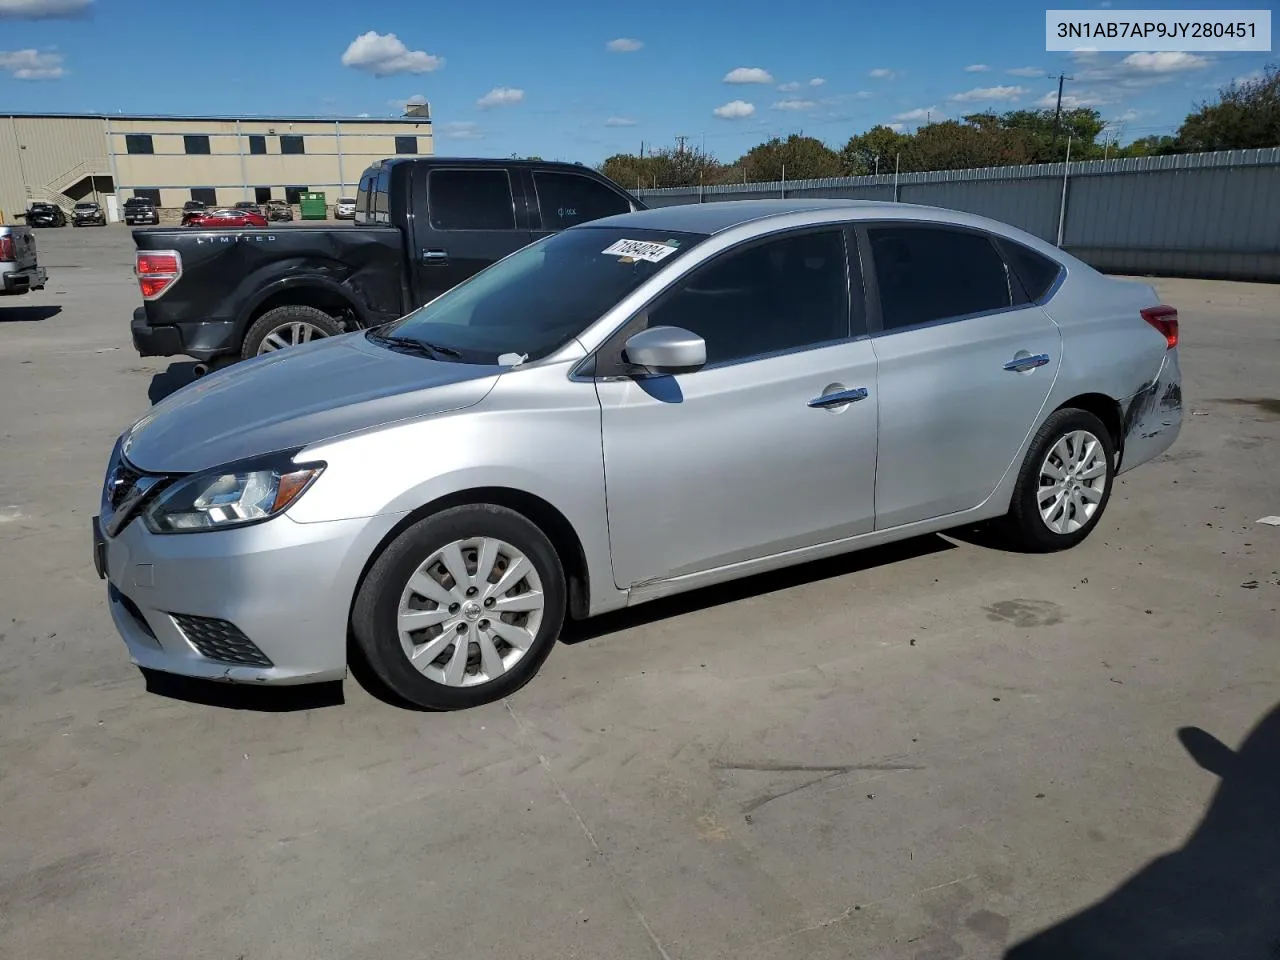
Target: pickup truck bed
{"x":19,"y":270}
{"x":422,"y":226}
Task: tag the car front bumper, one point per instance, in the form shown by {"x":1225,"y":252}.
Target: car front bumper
{"x":268,"y":603}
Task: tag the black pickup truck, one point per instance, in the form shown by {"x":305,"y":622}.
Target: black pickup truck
{"x":422,"y":226}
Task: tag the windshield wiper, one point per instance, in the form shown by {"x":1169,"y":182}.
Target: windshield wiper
{"x":421,"y":348}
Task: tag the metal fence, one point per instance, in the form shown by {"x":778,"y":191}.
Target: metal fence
{"x":1196,"y":215}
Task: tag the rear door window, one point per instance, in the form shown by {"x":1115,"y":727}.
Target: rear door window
{"x":479,"y":199}
{"x":566,"y":199}
{"x":928,"y":274}
{"x":1034,"y":272}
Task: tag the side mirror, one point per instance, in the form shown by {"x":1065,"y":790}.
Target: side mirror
{"x":666,"y":350}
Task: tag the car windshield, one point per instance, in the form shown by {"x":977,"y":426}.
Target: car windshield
{"x":86,"y":206}
{"x":533,"y":302}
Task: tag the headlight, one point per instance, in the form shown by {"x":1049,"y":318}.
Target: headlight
{"x":231,"y":496}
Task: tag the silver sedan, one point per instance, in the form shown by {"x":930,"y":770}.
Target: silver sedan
{"x":632,"y":408}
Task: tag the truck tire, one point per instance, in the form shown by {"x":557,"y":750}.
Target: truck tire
{"x":288,"y":326}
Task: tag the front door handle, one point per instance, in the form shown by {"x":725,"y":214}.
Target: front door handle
{"x":435,"y":256}
{"x":1028,"y":362}
{"x":839,"y":398}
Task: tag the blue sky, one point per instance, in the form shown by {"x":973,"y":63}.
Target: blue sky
{"x":592,"y":79}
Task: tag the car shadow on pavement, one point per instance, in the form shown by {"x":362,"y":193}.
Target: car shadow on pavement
{"x":240,"y":696}
{"x":171,"y":380}
{"x":576,"y":631}
{"x":1216,"y":897}
{"x":26,"y":314}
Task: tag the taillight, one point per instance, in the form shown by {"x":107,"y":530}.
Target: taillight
{"x":1165,"y":319}
{"x":157,"y":271}
{"x":8,"y":250}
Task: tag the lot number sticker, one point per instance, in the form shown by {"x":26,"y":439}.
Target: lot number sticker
{"x":631,"y":250}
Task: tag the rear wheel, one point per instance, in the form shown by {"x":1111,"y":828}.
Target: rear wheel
{"x":462,"y":608}
{"x":1065,"y":483}
{"x":288,"y":326}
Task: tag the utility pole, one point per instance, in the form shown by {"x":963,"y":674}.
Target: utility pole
{"x":680,"y":144}
{"x":1057,"y":113}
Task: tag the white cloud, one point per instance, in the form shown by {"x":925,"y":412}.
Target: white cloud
{"x":500,"y":97}
{"x":920,"y":113}
{"x":748,"y":75}
{"x":624,"y":45}
{"x":43,"y":9}
{"x":1166,"y":61}
{"x":1127,"y":117}
{"x":1025,"y":72}
{"x":1072,"y":101}
{"x":619,"y":122}
{"x":977,"y":68}
{"x":882,"y":73}
{"x":817,"y":81}
{"x":384,"y":54}
{"x":31,"y":64}
{"x":988,"y":94}
{"x":735,"y":110}
{"x":791,"y":87}
{"x":462,"y":130}
{"x":362,"y":115}
{"x":794,"y":104}
{"x":1251,"y":77}
{"x":896,"y":127}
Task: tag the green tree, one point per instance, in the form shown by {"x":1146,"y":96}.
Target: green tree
{"x":1046,"y":139}
{"x":873,"y":151}
{"x":668,"y":167}
{"x":1153,"y":146}
{"x":804,"y":158}
{"x":1246,"y":115}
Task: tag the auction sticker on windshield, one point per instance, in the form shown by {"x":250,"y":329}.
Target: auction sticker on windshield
{"x":631,"y":250}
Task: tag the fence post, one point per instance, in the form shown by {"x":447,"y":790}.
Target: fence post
{"x":897,"y":162}
{"x":784,"y":181}
{"x":1062,"y":206}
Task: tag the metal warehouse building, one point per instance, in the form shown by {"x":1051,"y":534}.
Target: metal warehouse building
{"x":64,"y":158}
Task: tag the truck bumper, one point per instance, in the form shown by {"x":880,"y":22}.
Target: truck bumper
{"x":200,"y":341}
{"x":20,"y":281}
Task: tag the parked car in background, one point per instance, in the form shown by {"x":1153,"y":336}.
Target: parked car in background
{"x":226,"y":218}
{"x":251,"y":206}
{"x":46,"y":215}
{"x":422,"y":226}
{"x":278,"y":210}
{"x":345,"y":208}
{"x":192,"y":208}
{"x":88,"y":214}
{"x":444,"y":476}
{"x":140,"y":210}
{"x":19,"y":270}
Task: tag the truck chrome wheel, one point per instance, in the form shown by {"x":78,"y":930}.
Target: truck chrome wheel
{"x":290,"y":335}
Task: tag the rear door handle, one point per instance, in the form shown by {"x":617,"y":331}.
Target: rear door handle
{"x":435,"y":256}
{"x":1021,"y":364}
{"x":839,"y":398}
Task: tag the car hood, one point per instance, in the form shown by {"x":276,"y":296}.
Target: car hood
{"x":298,"y":396}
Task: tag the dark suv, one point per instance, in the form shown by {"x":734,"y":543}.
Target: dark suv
{"x":87,"y":213}
{"x":140,"y":210}
{"x":46,"y":215}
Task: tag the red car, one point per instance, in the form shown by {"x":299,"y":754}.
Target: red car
{"x":226,"y":218}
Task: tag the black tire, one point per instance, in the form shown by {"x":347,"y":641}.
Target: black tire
{"x":280,"y":316}
{"x":1023,"y":525}
{"x":374,"y":615}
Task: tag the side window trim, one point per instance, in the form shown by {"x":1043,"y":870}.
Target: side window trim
{"x":495,"y":168}
{"x":875,"y":319}
{"x":605,"y":362}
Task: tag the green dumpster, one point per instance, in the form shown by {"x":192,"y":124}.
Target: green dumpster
{"x":313,"y":206}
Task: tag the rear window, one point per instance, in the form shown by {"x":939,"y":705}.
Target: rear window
{"x":470,"y":200}
{"x":1036,"y":272}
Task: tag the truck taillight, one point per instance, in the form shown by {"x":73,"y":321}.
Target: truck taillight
{"x":1165,"y":319}
{"x":157,"y":271}
{"x":8,"y":249}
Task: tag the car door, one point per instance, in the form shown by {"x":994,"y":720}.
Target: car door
{"x":560,"y":199}
{"x":471,"y":222}
{"x":769,"y":447}
{"x":963,"y":371}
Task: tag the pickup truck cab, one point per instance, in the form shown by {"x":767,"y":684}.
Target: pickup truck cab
{"x":422,"y":225}
{"x":19,"y":271}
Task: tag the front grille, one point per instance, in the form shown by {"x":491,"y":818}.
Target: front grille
{"x":219,"y":640}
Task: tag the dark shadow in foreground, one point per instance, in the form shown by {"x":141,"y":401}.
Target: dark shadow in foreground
{"x":1218,"y":898}
{"x":25,"y":314}
{"x":175,"y":378}
{"x":241,"y":696}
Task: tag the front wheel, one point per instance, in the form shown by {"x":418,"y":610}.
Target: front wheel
{"x":462,"y":608}
{"x":1065,"y":483}
{"x":288,"y":326}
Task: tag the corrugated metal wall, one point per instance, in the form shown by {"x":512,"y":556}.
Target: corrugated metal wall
{"x":1202,"y":215}
{"x":43,"y":150}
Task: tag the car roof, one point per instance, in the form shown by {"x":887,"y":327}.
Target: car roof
{"x":762,"y":215}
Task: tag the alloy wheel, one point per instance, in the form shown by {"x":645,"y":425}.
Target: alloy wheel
{"x":290,"y":335}
{"x":1073,"y":481}
{"x":470,"y":612}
